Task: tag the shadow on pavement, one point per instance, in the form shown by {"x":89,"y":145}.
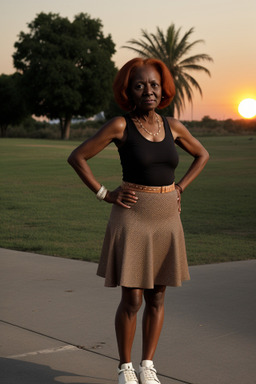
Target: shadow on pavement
{"x":14,"y":371}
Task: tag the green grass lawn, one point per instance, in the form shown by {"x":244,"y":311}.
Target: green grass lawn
{"x":45,"y":208}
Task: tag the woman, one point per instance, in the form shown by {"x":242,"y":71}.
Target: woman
{"x":144,"y":248}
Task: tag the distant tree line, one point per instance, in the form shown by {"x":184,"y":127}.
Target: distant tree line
{"x":13,"y":108}
{"x":209,"y":126}
{"x":81,"y":130}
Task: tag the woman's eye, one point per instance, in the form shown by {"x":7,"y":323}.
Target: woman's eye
{"x":138,"y":86}
{"x":155,"y":85}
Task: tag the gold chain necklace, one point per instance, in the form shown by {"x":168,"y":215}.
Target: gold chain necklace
{"x":145,"y":129}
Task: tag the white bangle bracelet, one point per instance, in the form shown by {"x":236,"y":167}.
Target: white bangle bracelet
{"x":102,"y":192}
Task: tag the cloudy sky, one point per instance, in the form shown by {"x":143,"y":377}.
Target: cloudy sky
{"x":227,"y":26}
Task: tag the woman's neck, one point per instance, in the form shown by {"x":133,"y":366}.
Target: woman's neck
{"x":148,"y":116}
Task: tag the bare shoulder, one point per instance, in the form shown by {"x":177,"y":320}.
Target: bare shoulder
{"x":115,"y":127}
{"x":178,"y":129}
{"x":118,"y":122}
{"x":112,"y":130}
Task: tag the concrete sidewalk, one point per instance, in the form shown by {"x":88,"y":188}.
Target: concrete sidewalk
{"x":56,"y":324}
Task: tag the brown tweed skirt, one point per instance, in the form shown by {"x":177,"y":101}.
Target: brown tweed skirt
{"x":144,"y":245}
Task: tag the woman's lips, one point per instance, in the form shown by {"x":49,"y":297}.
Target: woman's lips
{"x":149,"y":101}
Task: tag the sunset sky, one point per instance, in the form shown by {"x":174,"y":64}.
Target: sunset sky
{"x":227,"y":26}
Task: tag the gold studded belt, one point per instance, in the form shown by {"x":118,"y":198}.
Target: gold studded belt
{"x":149,"y":189}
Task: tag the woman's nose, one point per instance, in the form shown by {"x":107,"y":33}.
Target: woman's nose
{"x":147,"y":89}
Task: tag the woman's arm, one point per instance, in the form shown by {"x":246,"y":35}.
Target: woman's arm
{"x":190,"y":144}
{"x":114,"y":129}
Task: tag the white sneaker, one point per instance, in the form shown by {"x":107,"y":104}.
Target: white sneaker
{"x":127,"y":374}
{"x":147,"y":373}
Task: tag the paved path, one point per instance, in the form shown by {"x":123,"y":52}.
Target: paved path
{"x":56,"y":324}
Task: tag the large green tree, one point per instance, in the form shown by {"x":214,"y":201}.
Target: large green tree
{"x":173,"y":49}
{"x":66,"y":67}
{"x":12,"y":104}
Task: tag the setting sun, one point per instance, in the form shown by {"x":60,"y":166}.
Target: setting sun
{"x":247,"y":108}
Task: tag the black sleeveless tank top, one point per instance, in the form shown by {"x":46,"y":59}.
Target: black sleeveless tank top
{"x":145,"y":162}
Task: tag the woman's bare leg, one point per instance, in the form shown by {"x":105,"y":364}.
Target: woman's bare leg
{"x":125,"y":321}
{"x":153,"y":319}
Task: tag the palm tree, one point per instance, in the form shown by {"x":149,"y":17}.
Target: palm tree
{"x":173,"y":51}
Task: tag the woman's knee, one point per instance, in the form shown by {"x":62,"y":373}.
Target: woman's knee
{"x":132,"y":299}
{"x":154,"y":298}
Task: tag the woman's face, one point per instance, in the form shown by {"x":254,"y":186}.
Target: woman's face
{"x":145,"y":88}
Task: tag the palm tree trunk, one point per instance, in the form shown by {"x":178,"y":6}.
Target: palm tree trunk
{"x":169,"y":111}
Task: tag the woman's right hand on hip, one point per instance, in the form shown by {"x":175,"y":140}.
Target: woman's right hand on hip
{"x":123,"y":197}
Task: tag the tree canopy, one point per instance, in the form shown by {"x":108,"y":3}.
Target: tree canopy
{"x":173,"y":50}
{"x":66,"y":66}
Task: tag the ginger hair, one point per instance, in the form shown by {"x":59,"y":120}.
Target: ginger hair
{"x":122,"y":82}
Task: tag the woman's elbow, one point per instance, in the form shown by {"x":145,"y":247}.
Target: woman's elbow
{"x":207,"y":156}
{"x":72,"y":159}
{"x":203,"y":156}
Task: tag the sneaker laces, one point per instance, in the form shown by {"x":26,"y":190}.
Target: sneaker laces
{"x":129,"y":374}
{"x":150,"y":374}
